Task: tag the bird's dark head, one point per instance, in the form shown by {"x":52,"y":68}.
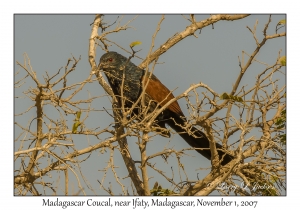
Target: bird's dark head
{"x":111,"y":61}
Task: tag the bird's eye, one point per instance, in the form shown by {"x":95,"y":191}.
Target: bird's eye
{"x":110,"y":59}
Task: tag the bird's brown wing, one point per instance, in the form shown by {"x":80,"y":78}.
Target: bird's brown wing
{"x":161,"y":94}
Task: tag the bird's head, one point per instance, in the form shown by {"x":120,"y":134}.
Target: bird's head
{"x":111,"y":61}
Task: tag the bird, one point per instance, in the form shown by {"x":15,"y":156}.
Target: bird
{"x":128,"y":80}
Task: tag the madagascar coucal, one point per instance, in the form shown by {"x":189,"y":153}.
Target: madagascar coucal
{"x":115,"y":66}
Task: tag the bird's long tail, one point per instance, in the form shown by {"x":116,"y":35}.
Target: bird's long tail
{"x":198,"y":139}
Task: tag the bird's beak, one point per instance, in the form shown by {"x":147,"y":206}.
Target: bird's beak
{"x":100,"y":66}
{"x":103,"y":66}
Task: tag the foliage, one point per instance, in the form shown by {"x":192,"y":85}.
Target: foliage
{"x":159,"y":191}
{"x":231,"y":97}
{"x":281,"y":123}
{"x":76,"y":122}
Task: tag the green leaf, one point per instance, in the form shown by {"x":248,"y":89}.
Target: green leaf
{"x":283,"y":138}
{"x":135,"y":43}
{"x":234,"y":98}
{"x":281,"y":123}
{"x":159,"y":191}
{"x":282,"y":22}
{"x":75,"y":126}
{"x":155,"y":185}
{"x":282,"y":61}
{"x":224,"y":96}
{"x":78,"y":114}
{"x":77,"y":122}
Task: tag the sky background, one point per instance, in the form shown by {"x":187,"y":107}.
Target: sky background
{"x":212,"y":58}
